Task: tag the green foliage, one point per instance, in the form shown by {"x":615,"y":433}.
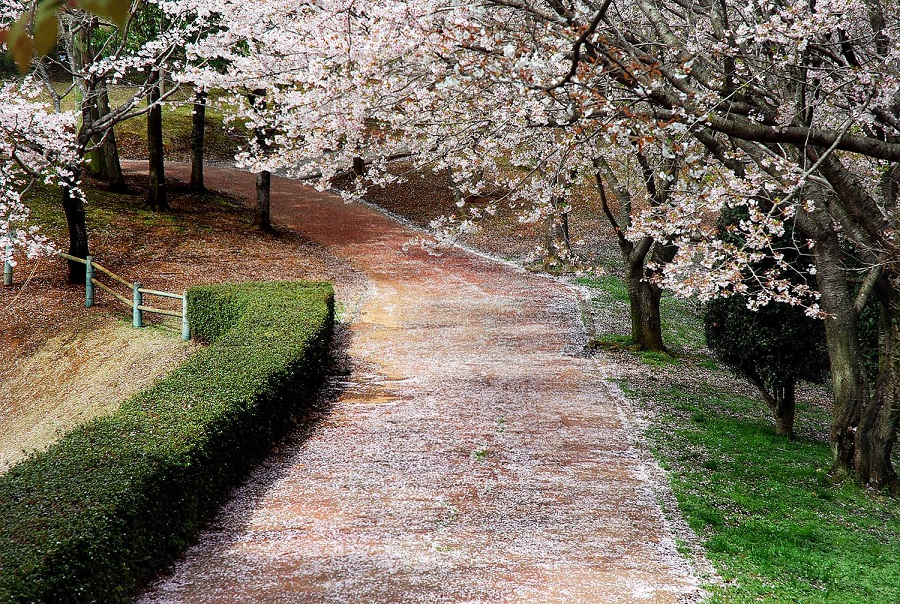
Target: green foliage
{"x":117,"y":498}
{"x":22,"y":46}
{"x":777,"y":343}
{"x":772,"y":523}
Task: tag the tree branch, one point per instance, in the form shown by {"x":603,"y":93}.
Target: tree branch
{"x":866,"y":288}
{"x":579,"y":42}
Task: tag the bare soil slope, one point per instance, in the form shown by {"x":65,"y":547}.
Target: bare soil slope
{"x":83,"y":372}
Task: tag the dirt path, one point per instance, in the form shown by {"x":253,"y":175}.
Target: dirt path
{"x":470,"y":456}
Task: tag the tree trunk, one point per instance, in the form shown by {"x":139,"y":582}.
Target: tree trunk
{"x":114,"y":175}
{"x":96,"y":158}
{"x":780,"y":398}
{"x":359,"y":166}
{"x":198,"y":121}
{"x":844,"y":355}
{"x":877,"y":430}
{"x":784,"y":409}
{"x":73,"y":206}
{"x":263,"y":197}
{"x":556,"y":237}
{"x":157,"y":199}
{"x":643,"y":299}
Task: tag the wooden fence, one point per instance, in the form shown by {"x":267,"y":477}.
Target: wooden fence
{"x":7,"y":267}
{"x":134,"y":301}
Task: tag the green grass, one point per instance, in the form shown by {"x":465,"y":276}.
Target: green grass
{"x":612,"y":287}
{"x":612,"y":340}
{"x":221,"y":140}
{"x":104,"y":210}
{"x":109,"y":214}
{"x":773,"y":524}
{"x":656,"y":359}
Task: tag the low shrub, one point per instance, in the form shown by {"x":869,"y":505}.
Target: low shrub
{"x":117,"y":498}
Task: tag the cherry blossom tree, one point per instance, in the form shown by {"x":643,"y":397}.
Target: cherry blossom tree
{"x":99,"y":53}
{"x":626,"y":175}
{"x":36,"y":144}
{"x":800,"y":103}
{"x":795,"y":105}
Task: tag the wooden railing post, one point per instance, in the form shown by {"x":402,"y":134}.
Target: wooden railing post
{"x":7,"y":267}
{"x":88,"y":284}
{"x":137,"y":314}
{"x":185,"y":327}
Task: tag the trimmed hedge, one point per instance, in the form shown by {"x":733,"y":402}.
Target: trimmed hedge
{"x":117,"y":498}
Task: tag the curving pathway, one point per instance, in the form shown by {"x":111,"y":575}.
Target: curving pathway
{"x":469,"y":456}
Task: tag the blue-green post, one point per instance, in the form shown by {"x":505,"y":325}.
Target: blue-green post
{"x":185,"y":327}
{"x":137,"y":315}
{"x":88,"y":284}
{"x":7,"y":267}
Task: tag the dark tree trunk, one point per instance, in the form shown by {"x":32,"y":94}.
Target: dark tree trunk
{"x":157,"y":199}
{"x":784,"y":409}
{"x":261,"y":218}
{"x":557,"y":242}
{"x":359,"y":166}
{"x":780,"y":398}
{"x":877,"y":430}
{"x":73,"y":206}
{"x":844,"y":355}
{"x":110,"y":149}
{"x":197,"y":141}
{"x":263,"y":198}
{"x":643,"y":294}
{"x":643,"y":299}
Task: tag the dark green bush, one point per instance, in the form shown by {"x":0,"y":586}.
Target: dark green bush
{"x":777,"y":345}
{"x":116,"y":499}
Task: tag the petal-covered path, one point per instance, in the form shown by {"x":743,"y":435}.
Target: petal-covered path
{"x":471,"y":455}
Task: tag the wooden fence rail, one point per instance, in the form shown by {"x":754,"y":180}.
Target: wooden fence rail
{"x":7,"y":267}
{"x":138,"y":291}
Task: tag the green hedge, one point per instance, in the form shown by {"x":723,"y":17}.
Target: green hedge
{"x":116,"y":499}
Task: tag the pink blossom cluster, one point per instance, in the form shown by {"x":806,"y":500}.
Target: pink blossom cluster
{"x":36,"y":144}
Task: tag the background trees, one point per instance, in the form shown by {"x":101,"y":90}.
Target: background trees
{"x":99,"y":52}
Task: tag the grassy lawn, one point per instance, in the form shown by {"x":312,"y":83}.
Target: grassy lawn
{"x":681,"y":331}
{"x":103,"y":211}
{"x":772,"y":523}
{"x":222,"y":141}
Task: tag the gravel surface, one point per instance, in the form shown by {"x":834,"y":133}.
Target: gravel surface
{"x":468,"y":453}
